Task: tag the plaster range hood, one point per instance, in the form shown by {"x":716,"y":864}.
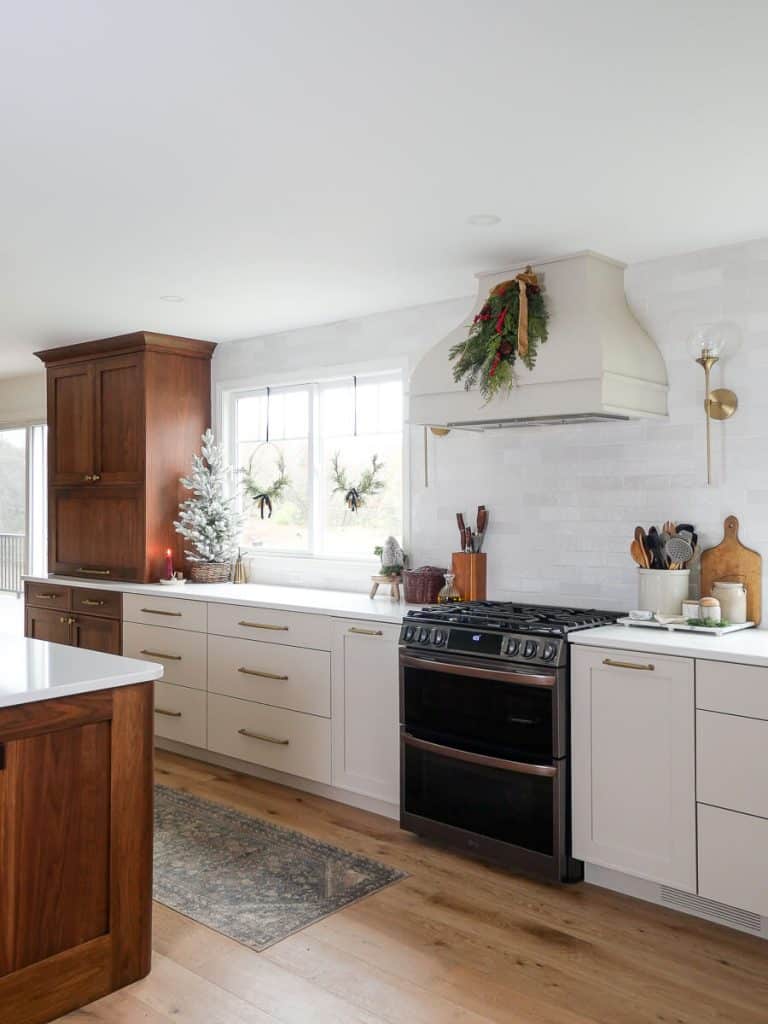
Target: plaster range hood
{"x":598,"y":363}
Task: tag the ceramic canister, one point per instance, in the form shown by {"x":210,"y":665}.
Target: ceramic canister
{"x":733,"y":600}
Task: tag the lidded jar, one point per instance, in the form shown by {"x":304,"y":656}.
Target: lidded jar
{"x":733,"y":600}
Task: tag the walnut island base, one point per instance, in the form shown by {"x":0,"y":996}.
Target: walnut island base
{"x":75,"y":829}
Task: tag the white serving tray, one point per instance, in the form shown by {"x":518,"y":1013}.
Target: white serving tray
{"x":683,"y":627}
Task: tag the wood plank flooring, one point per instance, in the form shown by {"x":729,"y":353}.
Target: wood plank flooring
{"x":455,"y":943}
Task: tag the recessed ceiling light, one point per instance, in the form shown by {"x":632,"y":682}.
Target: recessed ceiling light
{"x":483,"y":220}
{"x":172,"y":298}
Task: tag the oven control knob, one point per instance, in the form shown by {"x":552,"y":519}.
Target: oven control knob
{"x":438,"y":637}
{"x":423,"y":636}
{"x":549,"y":652}
{"x":408,"y":632}
{"x":531,"y":648}
{"x":513,"y":646}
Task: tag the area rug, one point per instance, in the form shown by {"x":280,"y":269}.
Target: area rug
{"x":249,"y":879}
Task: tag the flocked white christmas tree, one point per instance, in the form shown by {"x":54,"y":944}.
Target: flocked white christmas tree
{"x":208,"y":520}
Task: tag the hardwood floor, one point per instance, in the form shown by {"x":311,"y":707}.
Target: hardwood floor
{"x":455,"y":943}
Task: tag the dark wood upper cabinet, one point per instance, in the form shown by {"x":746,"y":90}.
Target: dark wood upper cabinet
{"x":125,"y":415}
{"x":70,"y":407}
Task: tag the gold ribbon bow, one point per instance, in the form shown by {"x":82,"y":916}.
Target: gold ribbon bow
{"x":524,"y":280}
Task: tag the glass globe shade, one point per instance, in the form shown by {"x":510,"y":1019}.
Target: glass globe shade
{"x":714,"y":340}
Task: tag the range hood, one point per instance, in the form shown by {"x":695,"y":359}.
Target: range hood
{"x":598,"y":363}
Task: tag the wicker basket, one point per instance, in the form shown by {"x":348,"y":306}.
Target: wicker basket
{"x":423,"y":585}
{"x":211,"y":572}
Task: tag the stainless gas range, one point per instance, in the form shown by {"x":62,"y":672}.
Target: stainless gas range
{"x":484,"y":725}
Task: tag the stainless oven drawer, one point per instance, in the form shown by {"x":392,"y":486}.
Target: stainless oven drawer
{"x":497,"y":805}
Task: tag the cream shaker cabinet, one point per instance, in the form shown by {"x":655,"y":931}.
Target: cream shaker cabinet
{"x":634,"y":800}
{"x":365,"y":708}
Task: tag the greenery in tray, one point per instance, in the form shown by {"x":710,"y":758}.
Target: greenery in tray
{"x":708,"y":622}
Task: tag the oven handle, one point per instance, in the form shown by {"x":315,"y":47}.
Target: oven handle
{"x":476,"y":672}
{"x":520,"y":767}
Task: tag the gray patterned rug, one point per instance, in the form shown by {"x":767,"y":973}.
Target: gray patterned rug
{"x":249,"y":879}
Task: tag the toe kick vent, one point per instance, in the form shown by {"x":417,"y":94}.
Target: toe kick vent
{"x":744,"y":920}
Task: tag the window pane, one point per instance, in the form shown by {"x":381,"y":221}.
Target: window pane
{"x":286,"y":457}
{"x":378,"y":408}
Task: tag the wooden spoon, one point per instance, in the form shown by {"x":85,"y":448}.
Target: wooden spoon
{"x":642,"y":540}
{"x":636,"y":550}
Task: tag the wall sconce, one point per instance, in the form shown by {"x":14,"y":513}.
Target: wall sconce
{"x":708,"y":344}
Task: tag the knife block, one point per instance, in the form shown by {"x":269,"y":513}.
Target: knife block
{"x":470,"y":572}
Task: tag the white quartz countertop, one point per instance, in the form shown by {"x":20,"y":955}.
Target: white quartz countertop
{"x":747,"y":647}
{"x":341,"y":603}
{"x":34,"y":670}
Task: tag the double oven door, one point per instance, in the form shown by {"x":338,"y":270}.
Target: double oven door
{"x":484,"y":759}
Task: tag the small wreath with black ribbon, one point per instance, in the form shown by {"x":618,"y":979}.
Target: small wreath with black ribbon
{"x":369,"y":483}
{"x":265,"y":497}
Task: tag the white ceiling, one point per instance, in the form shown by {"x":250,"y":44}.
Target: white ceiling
{"x":303,"y":161}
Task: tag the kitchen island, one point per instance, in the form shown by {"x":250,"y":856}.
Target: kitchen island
{"x":75,"y":826}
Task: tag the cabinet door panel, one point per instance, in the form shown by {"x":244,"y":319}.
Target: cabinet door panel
{"x":96,"y":532}
{"x":70,"y":412}
{"x":634,"y":764}
{"x":92,"y":633}
{"x":365,"y":708}
{"x":54,"y":844}
{"x":48,"y":624}
{"x":118,"y":385}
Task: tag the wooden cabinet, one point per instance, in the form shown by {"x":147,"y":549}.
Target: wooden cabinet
{"x":125,"y":415}
{"x":634,"y":803}
{"x":82,"y":617}
{"x":365,"y":708}
{"x":75,"y":849}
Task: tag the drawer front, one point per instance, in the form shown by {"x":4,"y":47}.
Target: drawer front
{"x":286,"y":677}
{"x":296,"y":629}
{"x":106,"y":603}
{"x":287,"y":741}
{"x":730,"y":762}
{"x":733,"y":853}
{"x":173,"y":612}
{"x":180,"y":714}
{"x":732,"y":689}
{"x":181,"y":652}
{"x":48,"y":595}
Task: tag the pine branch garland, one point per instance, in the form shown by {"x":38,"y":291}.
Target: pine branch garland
{"x":488,"y":356}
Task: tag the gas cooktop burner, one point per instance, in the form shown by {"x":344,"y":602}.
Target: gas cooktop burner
{"x":541,"y":620}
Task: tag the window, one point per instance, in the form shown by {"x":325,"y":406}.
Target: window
{"x":307,"y":448}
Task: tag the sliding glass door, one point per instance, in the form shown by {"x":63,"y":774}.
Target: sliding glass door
{"x":22,"y":505}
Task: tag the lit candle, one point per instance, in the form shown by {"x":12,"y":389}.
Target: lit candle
{"x":168,"y":564}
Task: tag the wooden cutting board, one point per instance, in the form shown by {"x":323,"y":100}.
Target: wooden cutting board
{"x":732,"y":562}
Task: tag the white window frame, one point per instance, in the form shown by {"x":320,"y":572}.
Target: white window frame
{"x":225,"y":398}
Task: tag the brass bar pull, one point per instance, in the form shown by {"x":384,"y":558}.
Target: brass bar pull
{"x":263,"y":625}
{"x":67,"y":620}
{"x":92,"y":604}
{"x":95,"y":572}
{"x":45,"y":597}
{"x":158,"y":611}
{"x":96,"y":476}
{"x":88,"y":477}
{"x":366,"y":632}
{"x":261,"y":736}
{"x":170,"y":714}
{"x":628,"y":664}
{"x":159,"y":654}
{"x":263,"y":675}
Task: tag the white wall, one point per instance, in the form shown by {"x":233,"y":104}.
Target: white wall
{"x":22,"y":400}
{"x":565,"y":500}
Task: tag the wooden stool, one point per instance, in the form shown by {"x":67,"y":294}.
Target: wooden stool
{"x":394,"y":585}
